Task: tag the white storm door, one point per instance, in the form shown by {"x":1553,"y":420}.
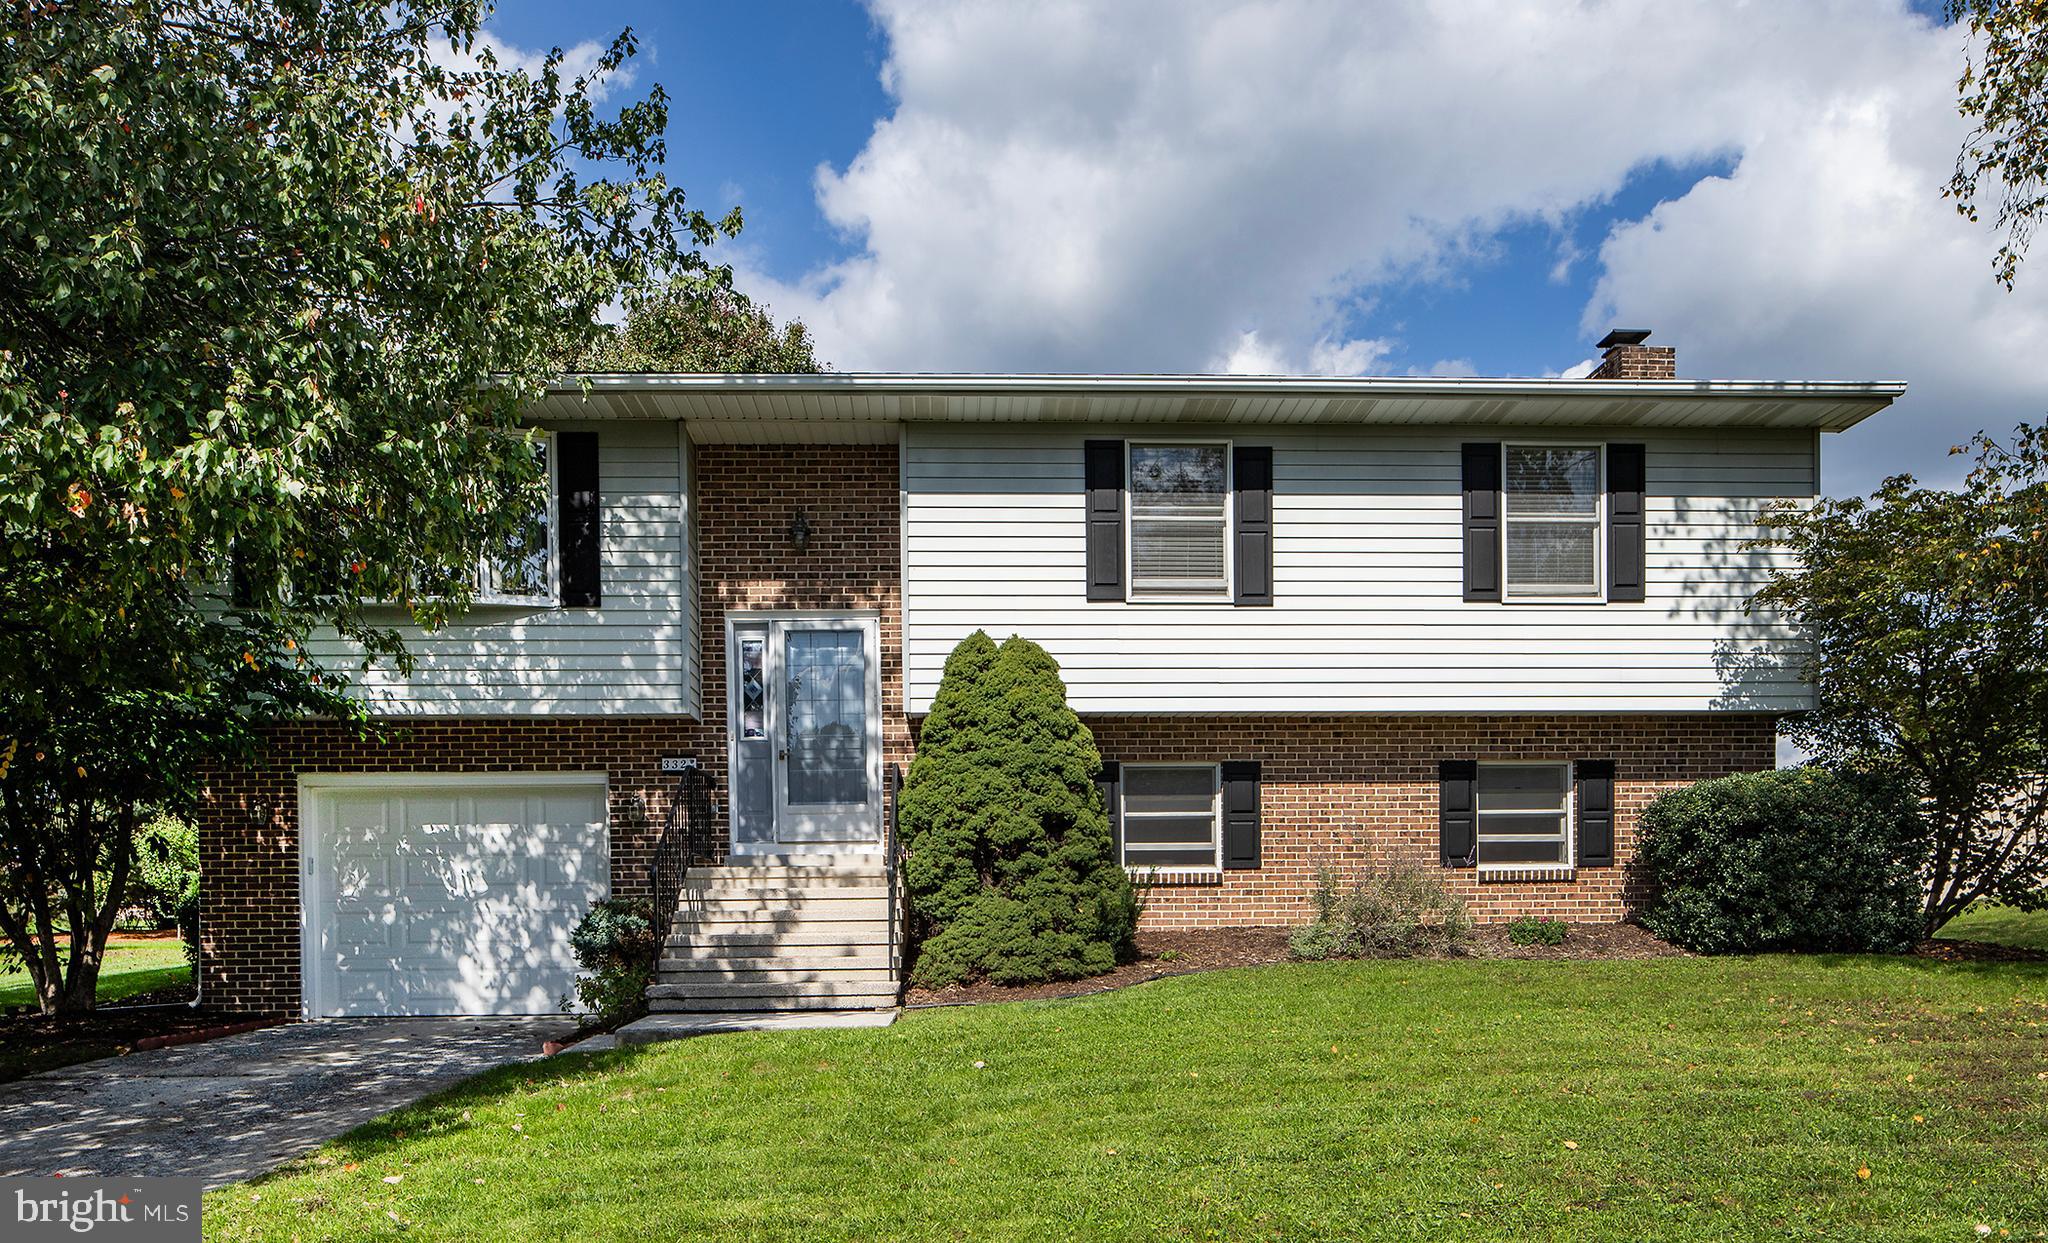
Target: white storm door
{"x":825,"y":729}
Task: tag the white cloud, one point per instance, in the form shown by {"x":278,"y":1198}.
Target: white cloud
{"x":1159,"y":185}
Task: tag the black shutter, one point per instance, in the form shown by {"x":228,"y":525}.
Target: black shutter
{"x":1595,"y":803}
{"x":1625,"y":551}
{"x":1457,"y":812}
{"x":1240,"y":813}
{"x":578,"y":539}
{"x":241,"y":581}
{"x":1110,"y":782}
{"x":1105,"y":478}
{"x":1252,"y":472}
{"x":1482,"y":521}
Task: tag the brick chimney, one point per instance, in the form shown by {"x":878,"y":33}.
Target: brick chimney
{"x":1627,"y":358}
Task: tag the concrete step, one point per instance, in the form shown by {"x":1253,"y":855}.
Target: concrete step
{"x":764,"y":936}
{"x":688,"y":1005}
{"x":778,"y":896}
{"x":822,"y":878}
{"x":725,"y":983}
{"x":857,"y":958}
{"x":712,"y":910}
{"x":766,"y":989}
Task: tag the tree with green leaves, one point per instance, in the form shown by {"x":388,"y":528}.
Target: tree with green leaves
{"x":1011,"y":871}
{"x":2004,"y":91}
{"x":1926,"y":615}
{"x":276,"y":277}
{"x":701,"y":325}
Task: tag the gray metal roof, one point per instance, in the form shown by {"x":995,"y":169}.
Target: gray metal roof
{"x":839,"y":406}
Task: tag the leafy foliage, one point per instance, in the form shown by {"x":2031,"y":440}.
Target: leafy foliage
{"x":700,"y":325}
{"x":166,"y":867}
{"x":1404,"y":911}
{"x":615,"y":943}
{"x":1011,"y":871}
{"x":1529,"y":931}
{"x":1926,"y":615}
{"x":1799,"y":859}
{"x":2004,"y":89}
{"x":273,"y":277}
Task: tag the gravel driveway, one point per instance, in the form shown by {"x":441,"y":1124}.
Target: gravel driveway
{"x":236,"y":1107}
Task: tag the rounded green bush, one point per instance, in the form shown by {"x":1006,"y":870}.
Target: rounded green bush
{"x":1799,"y":859}
{"x":1011,"y":872}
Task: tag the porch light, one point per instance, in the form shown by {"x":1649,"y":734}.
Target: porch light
{"x":799,"y":531}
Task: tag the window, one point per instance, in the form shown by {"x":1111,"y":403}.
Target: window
{"x":1180,"y":519}
{"x":1171,"y":815}
{"x":522,"y":569}
{"x":1524,"y":815}
{"x":1552,"y":518}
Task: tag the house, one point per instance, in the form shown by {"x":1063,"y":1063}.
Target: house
{"x":1472,"y":622}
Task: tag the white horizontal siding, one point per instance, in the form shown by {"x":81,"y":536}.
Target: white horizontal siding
{"x":636,"y":654}
{"x":1368,"y":574}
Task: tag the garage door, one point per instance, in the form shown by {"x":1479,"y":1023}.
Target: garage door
{"x":449,"y":897}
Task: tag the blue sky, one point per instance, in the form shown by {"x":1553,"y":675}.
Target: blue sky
{"x":1300,"y":185}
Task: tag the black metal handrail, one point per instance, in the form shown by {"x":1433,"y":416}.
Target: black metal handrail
{"x":689,"y":814}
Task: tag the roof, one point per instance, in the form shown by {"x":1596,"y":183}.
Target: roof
{"x":854,"y":406}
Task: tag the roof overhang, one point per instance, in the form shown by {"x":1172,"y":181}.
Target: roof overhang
{"x":866,"y":407}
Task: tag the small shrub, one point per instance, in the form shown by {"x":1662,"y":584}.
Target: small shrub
{"x":1169,"y":955}
{"x":166,"y":868}
{"x":615,"y":943}
{"x":1800,"y":859}
{"x":1402,"y":912}
{"x":1527,"y":931}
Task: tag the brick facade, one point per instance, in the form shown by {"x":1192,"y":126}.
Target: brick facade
{"x":1346,"y":791}
{"x":1359,"y":792}
{"x":745,"y":499}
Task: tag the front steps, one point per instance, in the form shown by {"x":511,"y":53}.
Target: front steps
{"x":779,"y":936}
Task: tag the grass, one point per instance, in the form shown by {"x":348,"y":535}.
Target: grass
{"x":2001,"y":925}
{"x":134,"y":965}
{"x":1673,"y":1098}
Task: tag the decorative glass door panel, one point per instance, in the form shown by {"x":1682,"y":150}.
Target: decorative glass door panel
{"x":822,"y":717}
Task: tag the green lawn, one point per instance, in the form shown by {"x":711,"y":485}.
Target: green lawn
{"x":134,"y":965}
{"x":1999,"y":924}
{"x":1672,"y":1098}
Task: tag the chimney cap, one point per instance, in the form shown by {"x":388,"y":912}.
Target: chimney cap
{"x":1623,"y":336}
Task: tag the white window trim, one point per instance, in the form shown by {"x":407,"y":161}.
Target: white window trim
{"x":1570,"y":854}
{"x":553,"y":596}
{"x":1508,"y":594}
{"x":1215,"y":863}
{"x":1229,"y":591}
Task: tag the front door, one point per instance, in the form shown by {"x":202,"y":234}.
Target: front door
{"x":805,"y":736}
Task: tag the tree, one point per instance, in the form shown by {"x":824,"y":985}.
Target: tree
{"x":701,"y":325}
{"x":275,"y":279}
{"x":1926,"y":612}
{"x":2004,"y":89}
{"x":1011,"y":870}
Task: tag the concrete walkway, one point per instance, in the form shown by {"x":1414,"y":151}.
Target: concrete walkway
{"x":232,"y":1108}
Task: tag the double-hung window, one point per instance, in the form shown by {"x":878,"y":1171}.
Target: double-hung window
{"x":1172,"y":815}
{"x":1525,"y":814}
{"x":1552,"y":521}
{"x":1179,"y":519}
{"x":521,"y":568}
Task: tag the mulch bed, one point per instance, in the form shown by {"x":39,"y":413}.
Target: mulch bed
{"x":30,"y":1043}
{"x":1582,"y":941}
{"x":1976,"y":951}
{"x":1163,"y":954}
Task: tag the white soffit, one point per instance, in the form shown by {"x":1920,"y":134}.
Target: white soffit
{"x":845,"y":407}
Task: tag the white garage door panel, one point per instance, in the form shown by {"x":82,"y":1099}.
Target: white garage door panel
{"x":450,"y":900}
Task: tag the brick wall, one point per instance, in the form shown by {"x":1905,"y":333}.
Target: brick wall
{"x":1637,"y":362}
{"x":1358,"y":792}
{"x":745,"y":499}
